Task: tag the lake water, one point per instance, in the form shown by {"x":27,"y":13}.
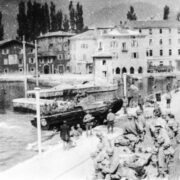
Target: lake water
{"x":16,"y":131}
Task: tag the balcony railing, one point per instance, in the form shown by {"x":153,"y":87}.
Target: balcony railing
{"x":124,"y":50}
{"x":160,"y":69}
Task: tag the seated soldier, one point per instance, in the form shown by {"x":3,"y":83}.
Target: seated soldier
{"x":79,"y":129}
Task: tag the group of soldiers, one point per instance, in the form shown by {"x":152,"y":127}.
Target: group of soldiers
{"x":145,"y":144}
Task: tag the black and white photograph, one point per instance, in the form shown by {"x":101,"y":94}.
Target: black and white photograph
{"x":89,"y":89}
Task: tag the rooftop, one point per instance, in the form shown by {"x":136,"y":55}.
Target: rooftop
{"x":153,"y":24}
{"x":7,"y":41}
{"x":56,"y":33}
{"x":90,"y":34}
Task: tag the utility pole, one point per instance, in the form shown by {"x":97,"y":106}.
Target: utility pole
{"x":25,"y":70}
{"x":125,"y":84}
{"x":38,"y":120}
{"x":36,"y":59}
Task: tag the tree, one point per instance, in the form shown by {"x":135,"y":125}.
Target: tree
{"x":131,"y":15}
{"x":22,"y":21}
{"x":65,"y":23}
{"x":59,"y":19}
{"x":53,"y":17}
{"x":1,"y":28}
{"x":72,"y":16}
{"x":46,"y":16}
{"x":79,"y":18}
{"x":166,"y":13}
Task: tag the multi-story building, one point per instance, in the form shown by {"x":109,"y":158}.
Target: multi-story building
{"x":163,"y":44}
{"x":125,"y":49}
{"x":11,"y":57}
{"x":53,"y":52}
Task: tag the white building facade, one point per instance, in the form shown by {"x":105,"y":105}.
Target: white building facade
{"x":125,"y":46}
{"x":163,"y":44}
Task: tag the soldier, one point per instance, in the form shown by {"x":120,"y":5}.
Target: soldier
{"x":168,"y":99}
{"x":165,"y":150}
{"x":140,"y":102}
{"x":110,"y":121}
{"x":88,"y":123}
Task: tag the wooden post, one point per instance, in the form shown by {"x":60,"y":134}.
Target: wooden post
{"x":25,"y":72}
{"x":36,"y":59}
{"x":38,"y":120}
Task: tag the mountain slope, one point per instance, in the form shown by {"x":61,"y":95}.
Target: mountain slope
{"x":95,"y":11}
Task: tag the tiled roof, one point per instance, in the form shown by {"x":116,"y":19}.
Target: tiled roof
{"x":56,"y":33}
{"x":153,"y":24}
{"x":90,"y":34}
{"x":122,"y":32}
{"x":6,"y":41}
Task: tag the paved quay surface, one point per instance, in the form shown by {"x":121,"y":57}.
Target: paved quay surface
{"x":76,"y":164}
{"x":58,"y":164}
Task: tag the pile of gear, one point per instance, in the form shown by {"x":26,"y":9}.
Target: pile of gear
{"x":56,"y":107}
{"x":145,"y":148}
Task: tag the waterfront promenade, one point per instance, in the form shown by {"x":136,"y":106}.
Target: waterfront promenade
{"x":57,"y":164}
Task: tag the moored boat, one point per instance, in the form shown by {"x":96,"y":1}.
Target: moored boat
{"x":75,"y":116}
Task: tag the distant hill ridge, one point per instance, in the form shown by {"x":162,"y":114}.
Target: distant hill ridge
{"x":96,"y":12}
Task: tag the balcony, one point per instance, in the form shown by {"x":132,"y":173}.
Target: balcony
{"x":124,"y":50}
{"x":160,"y":69}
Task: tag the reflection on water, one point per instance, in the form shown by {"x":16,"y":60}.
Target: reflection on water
{"x":16,"y":131}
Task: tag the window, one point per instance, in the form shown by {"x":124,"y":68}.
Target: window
{"x":178,"y":51}
{"x":135,"y":55}
{"x":104,"y":62}
{"x":170,"y":52}
{"x":114,"y":44}
{"x":5,"y":51}
{"x":50,"y":60}
{"x":117,"y":70}
{"x":115,"y":54}
{"x":20,"y":61}
{"x":170,"y":41}
{"x":32,"y":69}
{"x":134,"y":43}
{"x":5,"y":61}
{"x":131,"y":70}
{"x":161,"y":63}
{"x":60,"y":56}
{"x":140,"y":30}
{"x":50,"y":46}
{"x":100,"y":46}
{"x":169,"y":30}
{"x":140,"y":70}
{"x":160,"y":31}
{"x":150,"y":42}
{"x":160,"y":42}
{"x":104,"y":73}
{"x":150,"y":52}
{"x":161,"y":52}
{"x":178,"y":30}
{"x":150,"y":31}
{"x":124,"y":48}
{"x":31,"y":60}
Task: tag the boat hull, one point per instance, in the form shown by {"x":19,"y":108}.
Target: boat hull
{"x":76,"y":115}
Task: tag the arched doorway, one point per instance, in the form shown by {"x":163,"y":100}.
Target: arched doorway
{"x":124,"y":70}
{"x":140,"y":70}
{"x":117,"y":70}
{"x":131,"y":70}
{"x":46,"y":69}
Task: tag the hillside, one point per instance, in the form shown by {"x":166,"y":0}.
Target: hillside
{"x":95,"y":11}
